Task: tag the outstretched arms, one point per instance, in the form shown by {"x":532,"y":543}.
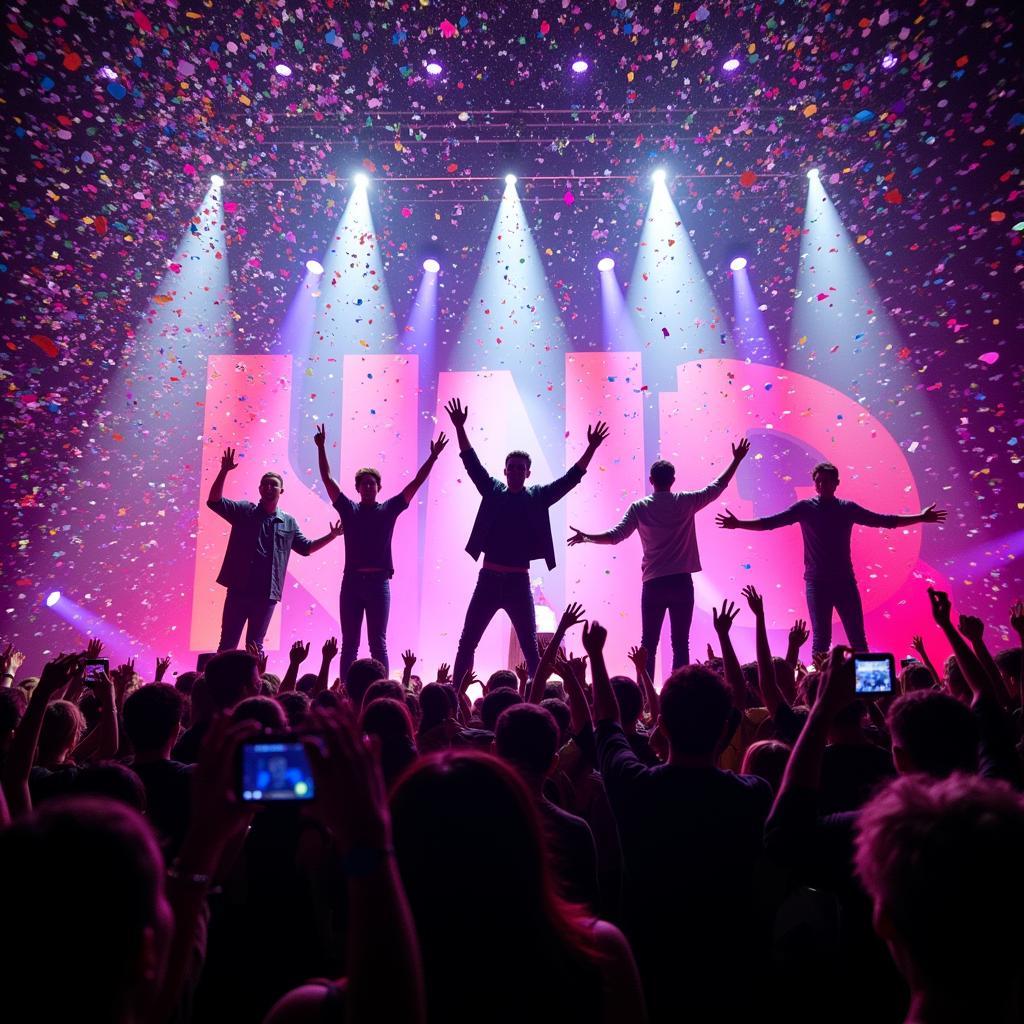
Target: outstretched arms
{"x":617,"y":533}
{"x":320,"y":439}
{"x":227,"y":463}
{"x":436,"y":447}
{"x":865,"y":517}
{"x":728,"y":521}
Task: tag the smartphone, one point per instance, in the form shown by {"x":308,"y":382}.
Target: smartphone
{"x":94,"y":668}
{"x":908,"y":662}
{"x":203,"y":660}
{"x":874,"y":674}
{"x":274,"y":769}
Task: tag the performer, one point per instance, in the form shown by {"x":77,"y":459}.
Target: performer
{"x":826,"y":523}
{"x":369,"y":525}
{"x":669,"y":540}
{"x":511,"y":529}
{"x":262,"y":538}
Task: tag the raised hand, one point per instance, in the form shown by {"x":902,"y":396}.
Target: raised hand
{"x":578,"y":537}
{"x":123,"y":676}
{"x":638,"y":655}
{"x":298,"y":653}
{"x":438,"y":446}
{"x":329,"y":651}
{"x":917,"y":644}
{"x":468,"y":680}
{"x":522,"y":673}
{"x":10,"y":661}
{"x":727,"y":520}
{"x":57,"y":674}
{"x":972,"y":627}
{"x":336,"y":529}
{"x":837,"y":688}
{"x":260,"y":656}
{"x":162,"y":665}
{"x":723,"y":620}
{"x":942,"y":609}
{"x":739,"y":450}
{"x":572,"y":616}
{"x":93,"y":649}
{"x":594,"y":637}
{"x":754,"y":600}
{"x":408,"y":659}
{"x":320,"y":437}
{"x":443,"y":671}
{"x":596,"y":434}
{"x":798,"y":634}
{"x":227,"y":461}
{"x":931,"y":514}
{"x":456,"y":413}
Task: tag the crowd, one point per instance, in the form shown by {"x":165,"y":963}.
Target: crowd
{"x":751,"y":841}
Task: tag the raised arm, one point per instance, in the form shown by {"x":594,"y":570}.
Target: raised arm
{"x":974,"y":673}
{"x":974,"y":629}
{"x":765,"y":668}
{"x":571,"y":671}
{"x":638,"y":655}
{"x":296,"y":656}
{"x":595,"y":438}
{"x":727,"y":521}
{"x":227,"y":463}
{"x":436,"y":447}
{"x":320,"y":440}
{"x":798,"y":635}
{"x":328,"y":654}
{"x":458,"y":415}
{"x":606,"y":707}
{"x":572,"y":616}
{"x":719,"y":484}
{"x":101,"y":744}
{"x":722,"y":621}
{"x":615,"y":535}
{"x":304,"y":546}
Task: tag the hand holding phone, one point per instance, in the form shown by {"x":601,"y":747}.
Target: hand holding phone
{"x":94,"y":668}
{"x":274,"y":769}
{"x":874,"y":675}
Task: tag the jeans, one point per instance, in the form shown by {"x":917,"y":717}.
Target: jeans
{"x":508,"y":591}
{"x":240,"y":606}
{"x":369,"y":593}
{"x":672,"y":594}
{"x":842,"y":594}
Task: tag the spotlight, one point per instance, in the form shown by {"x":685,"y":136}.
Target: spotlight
{"x":659,"y":176}
{"x":431,"y":266}
{"x":283,"y":70}
{"x":360,"y":179}
{"x":813,"y":174}
{"x":314,"y":266}
{"x":579,"y":66}
{"x":738,"y":263}
{"x":510,"y":179}
{"x":216,"y":180}
{"x":433,"y":68}
{"x":606,"y":263}
{"x":731,"y":64}
{"x":52,"y":598}
{"x":889,"y":61}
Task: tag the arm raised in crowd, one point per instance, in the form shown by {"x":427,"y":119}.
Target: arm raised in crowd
{"x":917,"y":644}
{"x":974,"y":629}
{"x":770,"y":693}
{"x":722,"y":621}
{"x":606,"y":707}
{"x":638,"y":655}
{"x":328,"y":653}
{"x":296,"y":656}
{"x":974,"y":673}
{"x":572,"y":616}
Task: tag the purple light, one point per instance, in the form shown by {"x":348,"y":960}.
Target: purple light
{"x":731,"y":64}
{"x":433,"y":68}
{"x":889,"y":61}
{"x":738,"y":263}
{"x":283,"y":70}
{"x":52,"y":598}
{"x":605,"y":264}
{"x":314,"y":267}
{"x":431,"y":266}
{"x":579,"y":66}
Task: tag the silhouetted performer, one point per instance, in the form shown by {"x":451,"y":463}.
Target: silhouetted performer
{"x":262,"y":537}
{"x":827,"y":523}
{"x":511,"y":529}
{"x":369,"y":525}
{"x":669,"y":540}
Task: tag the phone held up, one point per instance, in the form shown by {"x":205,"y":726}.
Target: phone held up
{"x":274,"y":769}
{"x":874,"y":675}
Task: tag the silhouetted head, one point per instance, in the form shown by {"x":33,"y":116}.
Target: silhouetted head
{"x":503,"y":678}
{"x":517,"y":470}
{"x":264,"y":710}
{"x":767,"y":759}
{"x":63,"y":725}
{"x":111,"y":904}
{"x":368,"y":484}
{"x":383,"y":688}
{"x":527,"y":736}
{"x":437,"y":703}
{"x":695,"y":707}
{"x":230,"y":677}
{"x":493,"y":705}
{"x":152,"y":716}
{"x":630,"y":700}
{"x":941,"y":861}
{"x":826,"y":479}
{"x":933,"y":733}
{"x":113,"y":780}
{"x":559,"y":710}
{"x":663,"y":475}
{"x":916,"y":677}
{"x":389,"y":720}
{"x":360,"y":674}
{"x":295,"y":706}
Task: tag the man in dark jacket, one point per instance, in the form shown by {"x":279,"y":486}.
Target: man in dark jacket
{"x":262,"y":538}
{"x":511,"y":529}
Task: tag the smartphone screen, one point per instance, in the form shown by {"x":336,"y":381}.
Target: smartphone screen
{"x":874,"y":674}
{"x":95,"y":667}
{"x":274,"y":770}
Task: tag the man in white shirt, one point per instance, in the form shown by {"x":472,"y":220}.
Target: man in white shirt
{"x":665,"y":522}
